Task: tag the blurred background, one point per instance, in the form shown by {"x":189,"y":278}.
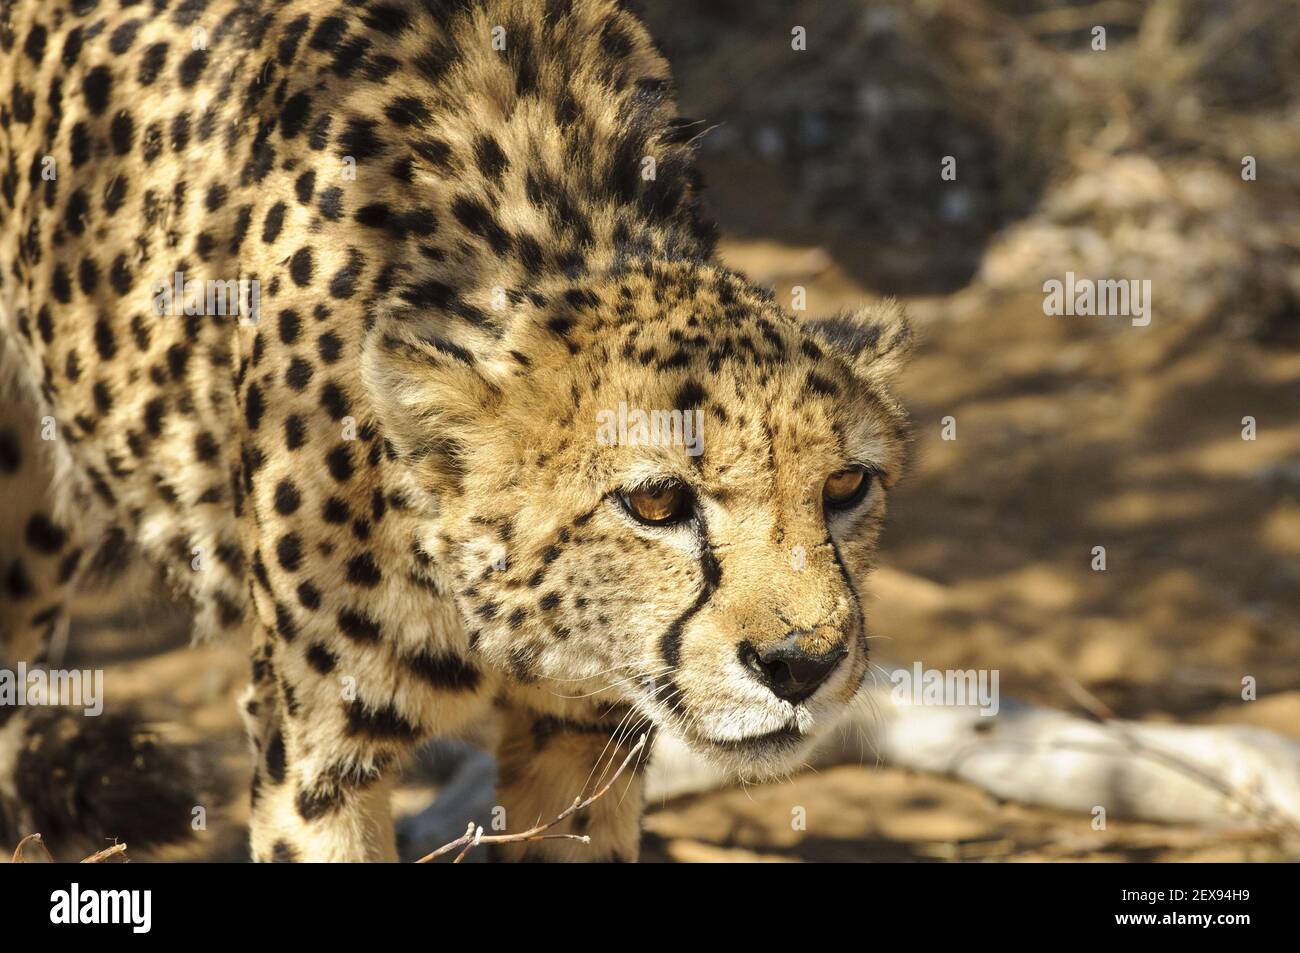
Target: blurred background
{"x":1071,"y":432}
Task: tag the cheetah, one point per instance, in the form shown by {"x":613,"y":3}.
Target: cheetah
{"x":459,"y":258}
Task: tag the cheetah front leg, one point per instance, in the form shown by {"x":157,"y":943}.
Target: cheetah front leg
{"x":320,"y":791}
{"x":546,"y":761}
{"x":330,"y":722}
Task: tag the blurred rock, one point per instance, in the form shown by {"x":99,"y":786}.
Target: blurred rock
{"x":1117,"y":163}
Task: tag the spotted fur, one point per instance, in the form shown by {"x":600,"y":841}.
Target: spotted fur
{"x":475,"y":226}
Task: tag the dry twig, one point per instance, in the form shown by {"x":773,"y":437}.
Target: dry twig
{"x":31,"y":839}
{"x":103,"y":855}
{"x":95,"y":858}
{"x":474,"y":835}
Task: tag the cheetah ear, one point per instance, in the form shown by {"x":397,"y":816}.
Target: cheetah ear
{"x":431,"y":400}
{"x":876,"y":339}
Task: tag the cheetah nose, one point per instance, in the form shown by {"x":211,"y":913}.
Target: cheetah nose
{"x":789,"y":671}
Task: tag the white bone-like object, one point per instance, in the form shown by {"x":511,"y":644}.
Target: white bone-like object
{"x":1232,"y":775}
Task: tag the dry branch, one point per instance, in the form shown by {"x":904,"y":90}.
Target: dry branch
{"x":105,"y":854}
{"x":1243,"y":801}
{"x":31,"y":839}
{"x":474,"y":835}
{"x":95,"y":858}
{"x":1213,"y":775}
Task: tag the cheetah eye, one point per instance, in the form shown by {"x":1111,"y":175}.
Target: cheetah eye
{"x":845,"y":488}
{"x":662,"y":504}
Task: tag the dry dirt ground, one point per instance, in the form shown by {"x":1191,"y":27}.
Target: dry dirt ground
{"x":1071,"y":433}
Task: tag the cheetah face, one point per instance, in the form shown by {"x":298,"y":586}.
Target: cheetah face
{"x":704,"y":569}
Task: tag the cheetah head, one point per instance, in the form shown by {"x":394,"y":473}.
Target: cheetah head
{"x":660,"y":491}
